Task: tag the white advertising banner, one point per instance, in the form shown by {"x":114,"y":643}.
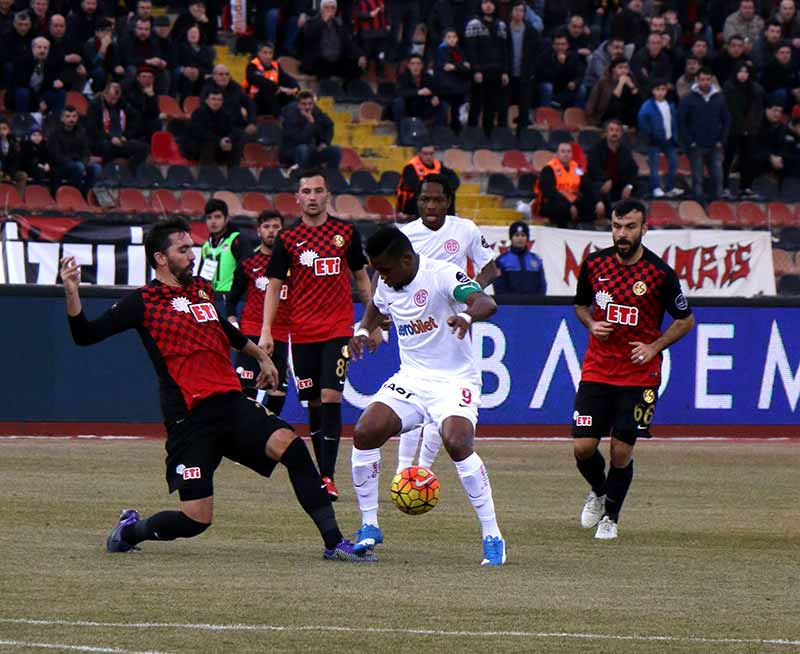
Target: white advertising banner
{"x":709,"y":263}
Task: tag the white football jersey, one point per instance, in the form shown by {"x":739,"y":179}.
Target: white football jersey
{"x":455,"y":241}
{"x":420,"y":311}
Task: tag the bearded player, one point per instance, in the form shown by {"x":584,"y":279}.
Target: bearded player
{"x":432,"y":304}
{"x":623,"y":292}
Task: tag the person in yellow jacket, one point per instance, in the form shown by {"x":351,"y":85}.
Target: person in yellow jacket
{"x":560,"y":192}
{"x":270,"y":87}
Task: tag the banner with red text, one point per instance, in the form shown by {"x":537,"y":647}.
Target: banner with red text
{"x":709,"y":263}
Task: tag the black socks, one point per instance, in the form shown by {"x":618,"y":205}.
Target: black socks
{"x":313,"y":428}
{"x":166,"y":525}
{"x":617,"y":485}
{"x":331,"y":428}
{"x":311,"y":492}
{"x":593,"y":470}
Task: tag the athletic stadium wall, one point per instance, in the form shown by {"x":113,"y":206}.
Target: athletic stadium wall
{"x":737,"y":372}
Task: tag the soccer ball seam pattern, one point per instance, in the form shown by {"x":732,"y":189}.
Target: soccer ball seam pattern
{"x":415,"y":490}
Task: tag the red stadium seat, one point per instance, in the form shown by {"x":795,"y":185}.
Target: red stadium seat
{"x":163,"y":201}
{"x":779,"y":215}
{"x":69,"y":199}
{"x":193,"y":203}
{"x":38,"y":198}
{"x":378,"y":204}
{"x":232,"y":200}
{"x":578,"y":155}
{"x":9,"y":198}
{"x":723,"y":212}
{"x":169,"y":106}
{"x":548,"y":118}
{"x":190,"y":103}
{"x":79,"y":101}
{"x":540,"y":159}
{"x":783,"y":262}
{"x":131,"y":200}
{"x":575,"y":118}
{"x":350,"y":160}
{"x":257,"y":202}
{"x":255,"y":156}
{"x":516,"y":160}
{"x":749,"y":214}
{"x":369,"y":111}
{"x":164,"y":150}
{"x":662,"y":214}
{"x":287,"y":204}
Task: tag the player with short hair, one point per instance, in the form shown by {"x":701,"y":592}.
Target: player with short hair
{"x":623,"y":292}
{"x":438,"y":235}
{"x":250,"y":280}
{"x":207,"y":417}
{"x":319,"y":252}
{"x":432,"y":304}
{"x":220,"y":254}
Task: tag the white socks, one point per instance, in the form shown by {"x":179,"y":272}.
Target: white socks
{"x":366,"y":471}
{"x":475,"y":480}
{"x":431,"y":444}
{"x":407,"y":448}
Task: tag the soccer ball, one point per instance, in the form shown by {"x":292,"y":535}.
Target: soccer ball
{"x":415,"y":490}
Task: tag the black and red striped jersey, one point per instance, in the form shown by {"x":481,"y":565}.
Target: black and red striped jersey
{"x":250,"y":280}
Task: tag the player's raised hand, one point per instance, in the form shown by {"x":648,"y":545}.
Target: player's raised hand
{"x":70,"y":274}
{"x":642,"y":353}
{"x":458,"y":326}
{"x":267,"y":344}
{"x":358,"y":345}
{"x":268,"y":375}
{"x":601,"y":329}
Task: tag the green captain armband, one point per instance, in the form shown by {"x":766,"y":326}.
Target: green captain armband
{"x":465,"y":288}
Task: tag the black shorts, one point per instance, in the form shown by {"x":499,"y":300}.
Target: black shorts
{"x":247,"y":367}
{"x":320,"y":365}
{"x":623,"y":411}
{"x":230,"y":425}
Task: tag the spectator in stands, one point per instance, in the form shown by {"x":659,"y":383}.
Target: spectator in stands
{"x":685,"y":82}
{"x":9,"y":155}
{"x":6,"y":16}
{"x":446,"y":14}
{"x":142,"y":9}
{"x":730,"y":59}
{"x":270,"y":87}
{"x":766,"y":47}
{"x":34,"y":162}
{"x":560,"y":193}
{"x":140,"y":49}
{"x":328,"y":49}
{"x":196,"y":15}
{"x":630,"y":26}
{"x":112,"y":127}
{"x":195,"y":62}
{"x":700,"y":49}
{"x":16,"y":45}
{"x":416,"y":95}
{"x":424,"y":163}
{"x":745,"y":100}
{"x":781,"y":79}
{"x":658,"y":127}
{"x":371,"y":28}
{"x":778,"y":151}
{"x":611,"y":172}
{"x":560,"y":74}
{"x":673,"y":27}
{"x":519,"y":270}
{"x":73,"y":71}
{"x":452,"y":73}
{"x":162,"y":36}
{"x":703,"y":125}
{"x":486,"y":42}
{"x":81,"y":24}
{"x":615,"y":96}
{"x":307,"y":135}
{"x":68,"y":147}
{"x":650,"y":63}
{"x":608,"y":51}
{"x":579,"y":37}
{"x":787,"y":16}
{"x":102,"y":56}
{"x":212,"y":138}
{"x":745,"y":23}
{"x":405,"y":15}
{"x":236,"y":103}
{"x":37,"y":80}
{"x":40,"y":16}
{"x":291,"y":17}
{"x":525,"y":48}
{"x":140,"y":95}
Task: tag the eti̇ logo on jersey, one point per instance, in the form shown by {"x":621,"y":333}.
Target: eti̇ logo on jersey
{"x":202,"y":311}
{"x":188,"y":473}
{"x":451,"y":246}
{"x":421,"y":297}
{"x":620,"y":314}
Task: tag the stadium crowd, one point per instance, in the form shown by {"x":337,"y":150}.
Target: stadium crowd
{"x":712,"y":80}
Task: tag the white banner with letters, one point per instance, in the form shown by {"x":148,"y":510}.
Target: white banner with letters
{"x":709,"y":263}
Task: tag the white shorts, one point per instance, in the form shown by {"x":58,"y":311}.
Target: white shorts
{"x":421,"y":401}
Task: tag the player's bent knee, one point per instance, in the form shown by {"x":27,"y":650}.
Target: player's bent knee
{"x":278,"y":442}
{"x":328,"y":395}
{"x":199,"y":511}
{"x":584,"y":448}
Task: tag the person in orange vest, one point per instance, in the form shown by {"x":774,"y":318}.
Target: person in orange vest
{"x":424,"y":163}
{"x":559,"y":193}
{"x":270,"y":87}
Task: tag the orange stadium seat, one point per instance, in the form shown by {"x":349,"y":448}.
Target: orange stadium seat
{"x":379,"y":205}
{"x":193,"y":203}
{"x":190,"y":103}
{"x":256,"y":202}
{"x":69,"y":199}
{"x":369,"y":111}
{"x":78,"y":101}
{"x":662,"y":214}
{"x":575,"y":118}
{"x":692,"y":214}
{"x":749,"y":214}
{"x":232,"y":200}
{"x":38,"y":198}
{"x":132,"y":200}
{"x":458,"y":160}
{"x":163,"y":201}
{"x":348,"y":207}
{"x":9,"y":198}
{"x":723,"y":212}
{"x":548,"y":118}
{"x":487,"y":161}
{"x":783,"y":262}
{"x":169,"y":106}
{"x":287,"y":204}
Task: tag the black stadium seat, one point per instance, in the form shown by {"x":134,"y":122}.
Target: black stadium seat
{"x":179,"y":177}
{"x":473,"y":138}
{"x":241,"y":180}
{"x":525,"y":185}
{"x":148,"y":177}
{"x":269,"y":134}
{"x":388,"y":182}
{"x":211,"y":178}
{"x":503,"y":139}
{"x":789,"y":239}
{"x":413,"y":133}
{"x":531,"y":140}
{"x":336,"y":182}
{"x":557,"y":136}
{"x":444,"y":138}
{"x":271,"y":180}
{"x":789,"y":285}
{"x":588,"y":138}
{"x":357,"y":91}
{"x":363,"y":183}
{"x":500,"y":184}
{"x":330,"y":88}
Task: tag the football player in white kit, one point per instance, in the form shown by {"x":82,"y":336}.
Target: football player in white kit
{"x":446,"y":238}
{"x":432,"y":304}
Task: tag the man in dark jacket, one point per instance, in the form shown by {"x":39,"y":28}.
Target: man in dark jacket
{"x":111,"y":127}
{"x":525,"y":46}
{"x":486,"y":41}
{"x":416,"y":94}
{"x":519,"y":269}
{"x":68,"y":146}
{"x":703,"y":124}
{"x":238,"y":105}
{"x":560,"y":74}
{"x":781,"y":80}
{"x":211,"y":138}
{"x":74,"y":72}
{"x":651,"y":63}
{"x":37,"y":79}
{"x":141,"y":96}
{"x":140,"y":49}
{"x":270,"y":87}
{"x":81,"y":24}
{"x":328,"y":46}
{"x":307,"y":135}
{"x":630,"y":25}
{"x":102,"y":56}
{"x":611,"y":170}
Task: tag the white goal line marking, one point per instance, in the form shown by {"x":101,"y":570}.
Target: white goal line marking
{"x":72,"y":648}
{"x":411,"y":632}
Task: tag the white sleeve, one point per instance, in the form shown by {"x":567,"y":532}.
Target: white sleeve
{"x":378,"y":300}
{"x":480,"y":252}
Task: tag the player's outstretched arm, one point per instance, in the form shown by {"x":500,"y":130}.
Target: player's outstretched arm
{"x":271,"y":299}
{"x":479,"y":307}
